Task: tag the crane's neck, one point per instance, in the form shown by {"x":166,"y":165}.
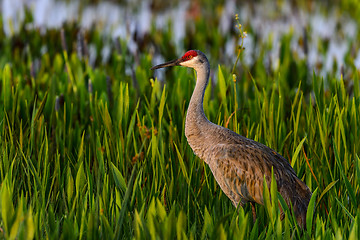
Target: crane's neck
{"x":196,"y":109}
{"x":197,"y":124}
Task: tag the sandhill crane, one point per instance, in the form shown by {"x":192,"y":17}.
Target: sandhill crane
{"x":238,"y":164}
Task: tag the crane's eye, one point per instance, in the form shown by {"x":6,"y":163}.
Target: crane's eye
{"x":190,"y":57}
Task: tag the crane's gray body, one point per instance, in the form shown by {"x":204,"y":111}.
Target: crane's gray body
{"x":238,"y":164}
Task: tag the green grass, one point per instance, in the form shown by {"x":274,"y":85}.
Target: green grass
{"x":89,"y":154}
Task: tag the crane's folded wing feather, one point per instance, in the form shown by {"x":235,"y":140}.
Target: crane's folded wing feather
{"x":240,"y":169}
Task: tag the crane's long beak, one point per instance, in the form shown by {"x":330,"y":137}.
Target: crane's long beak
{"x":175,"y":62}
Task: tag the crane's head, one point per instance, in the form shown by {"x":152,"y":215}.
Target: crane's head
{"x":192,"y":59}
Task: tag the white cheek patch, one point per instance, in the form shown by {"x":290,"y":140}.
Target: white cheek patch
{"x":190,"y":63}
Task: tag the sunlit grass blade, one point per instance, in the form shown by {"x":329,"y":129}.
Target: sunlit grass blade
{"x":223,"y":88}
{"x":354,"y":232}
{"x":274,"y":195}
{"x":296,"y":153}
{"x":119,"y":180}
{"x":6,"y":86}
{"x":310,"y":212}
{"x":267,"y":202}
{"x":328,"y":187}
{"x":7,"y":207}
{"x":208,"y":224}
{"x":80,"y":180}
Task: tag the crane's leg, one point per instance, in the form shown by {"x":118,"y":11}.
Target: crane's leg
{"x":253,"y":211}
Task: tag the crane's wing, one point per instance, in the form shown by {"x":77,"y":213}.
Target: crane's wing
{"x":240,"y":169}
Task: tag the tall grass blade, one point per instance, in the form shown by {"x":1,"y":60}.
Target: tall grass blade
{"x":7,"y":207}
{"x":182,"y":165}
{"x":80,"y":180}
{"x":348,"y":186}
{"x":328,"y":187}
{"x":296,"y":153}
{"x":345,"y":209}
{"x":266,"y":197}
{"x":125,"y":204}
{"x":118,"y":178}
{"x":223,"y":88}
{"x":310,"y":212}
{"x":6,"y":86}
